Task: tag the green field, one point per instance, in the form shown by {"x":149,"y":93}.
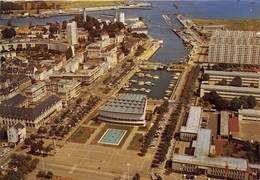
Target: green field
{"x":237,"y":24}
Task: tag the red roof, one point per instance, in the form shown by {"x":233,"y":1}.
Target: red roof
{"x":220,"y":146}
{"x":233,"y":125}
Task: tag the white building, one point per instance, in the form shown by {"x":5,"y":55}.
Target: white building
{"x":17,"y":133}
{"x":127,"y":108}
{"x":190,"y":130}
{"x":35,"y":92}
{"x":120,"y":17}
{"x":72,"y":33}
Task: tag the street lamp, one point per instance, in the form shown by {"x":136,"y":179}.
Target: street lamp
{"x":128,"y":167}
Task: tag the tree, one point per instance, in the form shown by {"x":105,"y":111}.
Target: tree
{"x":136,"y":176}
{"x":205,"y":77}
{"x":251,"y":101}
{"x":64,"y":24}
{"x":236,"y":81}
{"x":8,"y":33}
{"x":69,"y":53}
{"x":235,"y":104}
{"x":223,"y":82}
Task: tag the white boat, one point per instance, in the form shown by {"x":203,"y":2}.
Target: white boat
{"x":156,"y":77}
{"x":134,"y":89}
{"x":133,"y":81}
{"x":148,"y":90}
{"x":142,"y":89}
{"x":141,"y":83}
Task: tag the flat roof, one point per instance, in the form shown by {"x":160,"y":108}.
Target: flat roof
{"x":193,"y":121}
{"x":249,"y":112}
{"x":233,"y":73}
{"x":231,"y":89}
{"x":126,"y":103}
{"x":203,"y":143}
{"x":219,"y":161}
{"x":224,"y":118}
{"x":14,"y":101}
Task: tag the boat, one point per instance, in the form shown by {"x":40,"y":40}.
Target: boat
{"x":148,"y":90}
{"x":142,"y":89}
{"x":133,"y":81}
{"x":156,"y":77}
{"x":141,"y":83}
{"x":148,"y":75}
{"x":134,"y":89}
{"x":165,"y":98}
{"x":168,"y":91}
{"x":148,"y":83}
{"x":140,"y":74}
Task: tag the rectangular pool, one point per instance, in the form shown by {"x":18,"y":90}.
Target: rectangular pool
{"x":112,"y":136}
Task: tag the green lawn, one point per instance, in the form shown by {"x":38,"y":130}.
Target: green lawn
{"x":234,"y":24}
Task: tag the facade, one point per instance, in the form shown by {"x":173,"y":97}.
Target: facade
{"x":236,"y":47}
{"x":17,"y":133}
{"x":68,"y":89}
{"x":249,"y":115}
{"x":203,"y":163}
{"x":72,"y":33}
{"x":36,"y":92}
{"x":120,"y":17}
{"x":190,"y":130}
{"x":127,"y":108}
{"x":32,"y":117}
{"x":230,"y":92}
{"x":248,"y":78}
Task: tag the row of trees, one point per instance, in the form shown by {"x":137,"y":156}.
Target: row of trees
{"x":234,"y":104}
{"x":170,"y":128}
{"x":236,"y":81}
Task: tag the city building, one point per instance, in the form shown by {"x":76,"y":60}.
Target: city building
{"x":84,"y":14}
{"x":120,"y":17}
{"x":235,"y":47}
{"x":190,"y":130}
{"x":35,"y":92}
{"x":17,"y":133}
{"x":68,"y":89}
{"x":127,"y":108}
{"x":248,"y":78}
{"x":32,"y":117}
{"x":72,"y":33}
{"x":16,"y":101}
{"x":230,"y":92}
{"x":204,"y":162}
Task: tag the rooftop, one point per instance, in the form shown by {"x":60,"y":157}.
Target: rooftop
{"x":126,"y":103}
{"x":249,"y":112}
{"x":231,"y":89}
{"x":193,"y":121}
{"x":233,"y":73}
{"x":203,"y":143}
{"x":14,"y":101}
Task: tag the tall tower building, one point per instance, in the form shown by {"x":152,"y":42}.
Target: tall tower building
{"x":120,"y":17}
{"x":72,"y":33}
{"x":85,"y":14}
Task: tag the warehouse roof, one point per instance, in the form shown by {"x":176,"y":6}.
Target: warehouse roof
{"x":193,"y":121}
{"x":126,"y":103}
{"x":203,"y":143}
{"x":233,"y":73}
{"x":249,"y":112}
{"x":231,"y":89}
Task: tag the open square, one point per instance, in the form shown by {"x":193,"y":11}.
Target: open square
{"x":112,"y":136}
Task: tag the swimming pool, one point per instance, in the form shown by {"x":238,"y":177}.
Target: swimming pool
{"x":112,"y":136}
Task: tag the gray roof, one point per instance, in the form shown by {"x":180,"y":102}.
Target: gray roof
{"x":19,"y":125}
{"x":219,"y":162}
{"x":126,"y":103}
{"x":14,"y":101}
{"x":233,"y":73}
{"x":231,"y":89}
{"x":203,"y":143}
{"x":29,"y":114}
{"x":193,"y":121}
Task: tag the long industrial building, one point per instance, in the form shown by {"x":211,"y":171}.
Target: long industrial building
{"x":190,"y":130}
{"x":127,"y":108}
{"x":205,"y":162}
{"x":230,"y":91}
{"x":235,"y":47}
{"x":248,"y":78}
